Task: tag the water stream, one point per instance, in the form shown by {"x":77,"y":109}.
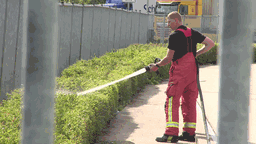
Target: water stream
{"x":141,"y":71}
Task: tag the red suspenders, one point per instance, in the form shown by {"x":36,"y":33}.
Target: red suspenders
{"x":188,"y":35}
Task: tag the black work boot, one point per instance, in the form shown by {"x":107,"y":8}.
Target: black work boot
{"x":167,"y":138}
{"x":186,"y":137}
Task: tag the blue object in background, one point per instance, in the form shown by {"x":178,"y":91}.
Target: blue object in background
{"x":117,"y":4}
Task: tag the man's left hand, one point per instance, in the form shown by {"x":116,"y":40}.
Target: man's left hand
{"x":153,"y":67}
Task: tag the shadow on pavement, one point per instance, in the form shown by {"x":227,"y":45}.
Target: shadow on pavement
{"x":149,"y":91}
{"x":123,"y":132}
{"x":207,"y":65}
{"x":122,"y":125}
{"x":116,"y":142}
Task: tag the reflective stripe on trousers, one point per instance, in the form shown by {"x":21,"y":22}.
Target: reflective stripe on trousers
{"x":189,"y":125}
{"x":170,"y":123}
{"x":170,"y":110}
{"x":182,"y":83}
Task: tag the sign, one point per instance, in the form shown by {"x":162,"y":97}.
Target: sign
{"x":150,"y":9}
{"x":129,"y":1}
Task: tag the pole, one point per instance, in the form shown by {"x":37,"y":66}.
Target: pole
{"x":217,"y":29}
{"x":42,"y":43}
{"x":128,"y":6}
{"x":235,"y":64}
{"x":163,"y":30}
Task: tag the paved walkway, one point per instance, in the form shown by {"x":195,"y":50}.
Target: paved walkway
{"x":144,"y":119}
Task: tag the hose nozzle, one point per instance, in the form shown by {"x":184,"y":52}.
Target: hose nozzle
{"x":156,"y":60}
{"x":147,"y":68}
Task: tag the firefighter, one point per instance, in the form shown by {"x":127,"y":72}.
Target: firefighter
{"x":182,"y":83}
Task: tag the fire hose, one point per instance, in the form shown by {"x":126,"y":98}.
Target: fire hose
{"x":141,"y":71}
{"x":146,"y":69}
{"x":201,"y":99}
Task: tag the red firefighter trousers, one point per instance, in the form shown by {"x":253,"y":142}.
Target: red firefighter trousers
{"x":182,"y":84}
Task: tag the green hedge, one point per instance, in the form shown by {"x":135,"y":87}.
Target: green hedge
{"x":211,"y":56}
{"x":80,"y":119}
{"x":208,"y":57}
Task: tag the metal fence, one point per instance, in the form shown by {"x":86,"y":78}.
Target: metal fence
{"x":84,"y":32}
{"x":208,"y":25}
{"x":87,"y":30}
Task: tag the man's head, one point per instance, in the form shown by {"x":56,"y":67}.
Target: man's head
{"x":174,"y":20}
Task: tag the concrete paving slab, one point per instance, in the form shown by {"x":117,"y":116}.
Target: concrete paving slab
{"x":144,"y":119}
{"x":210,"y":89}
{"x":211,"y":109}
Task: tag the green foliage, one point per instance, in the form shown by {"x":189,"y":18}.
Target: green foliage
{"x":208,"y":57}
{"x":211,"y":56}
{"x":80,"y":119}
{"x":10,"y":118}
{"x":102,"y":105}
{"x":112,"y":66}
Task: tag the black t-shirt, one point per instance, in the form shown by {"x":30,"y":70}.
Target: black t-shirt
{"x":178,"y":42}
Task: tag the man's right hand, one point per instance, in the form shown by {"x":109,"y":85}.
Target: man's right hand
{"x":208,"y":44}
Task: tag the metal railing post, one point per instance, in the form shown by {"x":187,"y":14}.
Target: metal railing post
{"x":114,"y":37}
{"x":40,"y":75}
{"x":202,"y":23}
{"x":235,"y":65}
{"x":131,"y":29}
{"x":163,"y":30}
{"x":120,"y":31}
{"x":108,"y":28}
{"x":139,"y":27}
{"x":148,"y":29}
{"x":91,"y":56}
{"x":184,"y":20}
{"x":217,"y":30}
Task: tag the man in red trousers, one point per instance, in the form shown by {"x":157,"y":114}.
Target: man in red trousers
{"x":182,"y":84}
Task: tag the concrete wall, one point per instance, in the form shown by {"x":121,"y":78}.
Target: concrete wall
{"x":84,"y":32}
